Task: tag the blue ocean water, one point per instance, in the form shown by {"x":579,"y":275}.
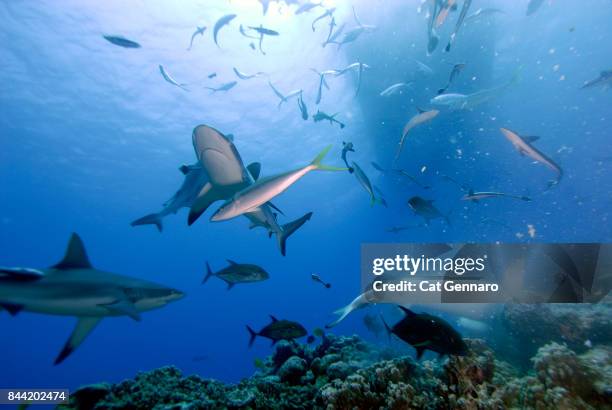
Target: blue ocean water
{"x":92,"y":138}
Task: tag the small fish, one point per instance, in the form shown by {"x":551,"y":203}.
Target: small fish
{"x":427,"y":332}
{"x":317,"y":278}
{"x":321,"y":116}
{"x":323,"y":82}
{"x":212,"y":75}
{"x":244,"y":76}
{"x":425,"y":209}
{"x":237,"y":273}
{"x":223,"y":87}
{"x":171,"y":80}
{"x":366,"y":184}
{"x":284,"y":98}
{"x":604,"y":81}
{"x":263,"y":32}
{"x":121,"y":41}
{"x":464,"y":11}
{"x":346,"y":148}
{"x":359,"y":68}
{"x":303,"y":108}
{"x":394,"y":89}
{"x":524,"y":148}
{"x":199,"y":31}
{"x":454,"y":73}
{"x":477,"y":196}
{"x":223,"y":21}
{"x":420,"y":118}
{"x":327,"y":13}
{"x":333,"y":35}
{"x":278,"y":330}
{"x":533,"y":6}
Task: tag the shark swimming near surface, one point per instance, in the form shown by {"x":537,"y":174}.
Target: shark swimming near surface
{"x":171,"y":80}
{"x":223,"y":21}
{"x":73,"y":287}
{"x":198,"y":32}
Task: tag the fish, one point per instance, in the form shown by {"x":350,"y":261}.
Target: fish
{"x":454,"y":73}
{"x":394,"y":89}
{"x":533,"y":6}
{"x":278,"y":330}
{"x":318,"y":279}
{"x":462,"y":15}
{"x":223,"y":21}
{"x":265,"y":189}
{"x":346,"y":148}
{"x":432,"y":37}
{"x":244,"y":76}
{"x":306,"y":7}
{"x":121,"y":41}
{"x":359,"y":302}
{"x":245,"y":34}
{"x":333,"y":35}
{"x":199,"y":31}
{"x":321,"y":116}
{"x":373,"y":324}
{"x":483,"y":12}
{"x":405,"y":174}
{"x":427,"y":332}
{"x":604,"y":81}
{"x":477,"y":196}
{"x":327,"y":13}
{"x":524,"y":148}
{"x":195,"y":178}
{"x":468,"y":101}
{"x":323,"y":82}
{"x":359,"y":68}
{"x":303,"y":108}
{"x":421,"y":118}
{"x":212,"y":75}
{"x":73,"y":287}
{"x":223,"y":87}
{"x":237,"y":273}
{"x":366,"y":184}
{"x":425,"y":209}
{"x":284,"y":98}
{"x":264,"y":217}
{"x":447,"y":6}
{"x":263,"y":32}
{"x":171,"y":80}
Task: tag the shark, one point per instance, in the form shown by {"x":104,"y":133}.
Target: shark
{"x":262,"y":31}
{"x":198,"y":32}
{"x":421,"y":118}
{"x":223,"y":21}
{"x":358,"y":67}
{"x":223,"y":87}
{"x":604,"y":81}
{"x":284,"y":98}
{"x":73,"y":287}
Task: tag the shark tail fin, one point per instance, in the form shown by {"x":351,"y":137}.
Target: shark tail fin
{"x":253,"y":335}
{"x":317,"y":162}
{"x":151,"y":219}
{"x":289,"y":229}
{"x":342,"y":313}
{"x":83,"y":328}
{"x":209,"y":273}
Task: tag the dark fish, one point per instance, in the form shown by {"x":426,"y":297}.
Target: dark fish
{"x":476,"y":196}
{"x":425,"y":209}
{"x":237,"y":273}
{"x":122,"y":41}
{"x":427,"y":332}
{"x":346,"y":148}
{"x":317,"y":278}
{"x":212,"y":75}
{"x":303,"y":108}
{"x":321,"y":116}
{"x":278,"y":330}
{"x":454,"y":73}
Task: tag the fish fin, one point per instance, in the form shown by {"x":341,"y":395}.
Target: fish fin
{"x":76,"y":256}
{"x":322,"y":167}
{"x":531,"y":138}
{"x":254,"y":169}
{"x":204,"y":199}
{"x":253,"y":335}
{"x":184,"y":169}
{"x":343,"y":312}
{"x":420,"y":110}
{"x":419,"y":352}
{"x":82,"y":329}
{"x":11,"y":308}
{"x":274,"y":319}
{"x":275,"y":208}
{"x":289,"y":229}
{"x":407,"y":312}
{"x":123,"y":307}
{"x":209,"y":273}
{"x":151,"y":219}
{"x":231,"y":262}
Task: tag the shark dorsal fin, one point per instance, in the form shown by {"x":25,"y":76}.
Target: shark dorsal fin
{"x":231,"y":262}
{"x":76,"y":256}
{"x":407,"y":312}
{"x":254,"y":169}
{"x":420,"y":110}
{"x":273,"y":319}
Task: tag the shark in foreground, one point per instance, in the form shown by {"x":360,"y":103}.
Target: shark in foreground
{"x":73,"y":287}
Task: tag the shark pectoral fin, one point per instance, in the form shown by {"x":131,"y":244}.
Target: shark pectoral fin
{"x":254,"y":169}
{"x":123,"y":307}
{"x":204,"y":199}
{"x":75,"y":257}
{"x":82,"y":329}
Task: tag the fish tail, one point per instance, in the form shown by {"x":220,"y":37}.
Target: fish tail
{"x":322,"y":167}
{"x":253,"y":335}
{"x":151,"y":219}
{"x":289,"y":229}
{"x":209,"y":273}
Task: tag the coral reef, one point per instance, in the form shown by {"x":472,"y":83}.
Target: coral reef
{"x":347,"y":373}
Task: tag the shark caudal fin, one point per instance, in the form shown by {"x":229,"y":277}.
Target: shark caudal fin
{"x":342,"y":313}
{"x":151,"y":219}
{"x":209,"y":273}
{"x":322,"y":167}
{"x":83,"y":328}
{"x":290,"y":228}
{"x":253,"y":335}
